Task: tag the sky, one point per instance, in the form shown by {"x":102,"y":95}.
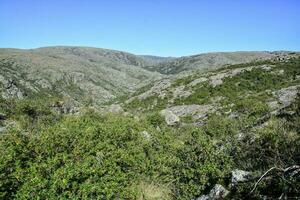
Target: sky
{"x":152,"y":27}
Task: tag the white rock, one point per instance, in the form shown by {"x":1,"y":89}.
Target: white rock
{"x":217,"y":192}
{"x":288,"y":95}
{"x":145,"y":135}
{"x":238,"y":176}
{"x":197,"y":81}
{"x":115,"y":108}
{"x":170,"y":118}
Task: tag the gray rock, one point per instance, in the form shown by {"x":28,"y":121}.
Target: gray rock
{"x":10,"y":89}
{"x":203,"y":197}
{"x":238,"y":176}
{"x":170,"y":118}
{"x":196,"y":111}
{"x":180,"y":92}
{"x":288,"y":95}
{"x":115,"y":108}
{"x":217,"y":192}
{"x":157,"y":89}
{"x":197,"y":81}
{"x":145,"y":135}
{"x":266,"y":67}
{"x":273,"y":105}
{"x":65,"y":107}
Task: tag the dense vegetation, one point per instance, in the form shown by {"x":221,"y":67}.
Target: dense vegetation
{"x":91,"y":155}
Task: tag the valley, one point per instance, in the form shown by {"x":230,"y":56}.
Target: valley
{"x":90,"y":123}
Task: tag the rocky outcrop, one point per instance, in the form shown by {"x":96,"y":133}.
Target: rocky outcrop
{"x":180,"y":92}
{"x":100,"y":74}
{"x":284,"y":98}
{"x":197,"y":81}
{"x":238,"y":176}
{"x":217,"y":79}
{"x":65,"y":107}
{"x":217,"y":192}
{"x":196,"y":111}
{"x":157,"y":89}
{"x":170,"y":118}
{"x":114,"y":108}
{"x":288,"y":95}
{"x":10,"y":89}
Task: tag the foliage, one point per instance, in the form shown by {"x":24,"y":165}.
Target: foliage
{"x":95,"y":156}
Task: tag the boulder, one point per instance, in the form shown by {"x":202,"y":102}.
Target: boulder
{"x":65,"y":107}
{"x":288,"y":95}
{"x":170,"y":118}
{"x":238,"y":176}
{"x":217,"y":192}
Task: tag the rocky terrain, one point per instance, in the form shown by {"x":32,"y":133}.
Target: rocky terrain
{"x":97,"y":74}
{"x":91,"y":75}
{"x":93,"y":123}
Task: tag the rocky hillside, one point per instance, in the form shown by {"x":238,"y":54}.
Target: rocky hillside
{"x":210,"y":61}
{"x":84,"y":74}
{"x":95,"y":76}
{"x":227,"y":133}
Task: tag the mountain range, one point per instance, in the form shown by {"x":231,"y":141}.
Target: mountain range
{"x":90,"y":123}
{"x":97,"y":75}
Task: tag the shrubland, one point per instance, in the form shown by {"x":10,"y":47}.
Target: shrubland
{"x":92,"y":155}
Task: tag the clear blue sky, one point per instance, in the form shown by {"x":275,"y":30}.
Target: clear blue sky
{"x":159,"y":27}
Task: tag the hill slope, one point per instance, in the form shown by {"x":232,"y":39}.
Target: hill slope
{"x":210,"y":61}
{"x":230,"y":133}
{"x":76,"y":72}
{"x":93,"y":75}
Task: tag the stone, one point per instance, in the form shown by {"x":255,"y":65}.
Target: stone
{"x":266,"y":67}
{"x":197,"y":81}
{"x":217,"y":192}
{"x":115,"y":108}
{"x":157,"y":89}
{"x":65,"y":107}
{"x":288,"y":95}
{"x":273,"y":105}
{"x":238,"y":176}
{"x":203,"y":197}
{"x":170,"y":118}
{"x":180,"y":92}
{"x":145,"y":135}
{"x":194,"y":110}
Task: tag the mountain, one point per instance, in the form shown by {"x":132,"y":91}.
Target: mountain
{"x":210,"y":61}
{"x":183,"y":131}
{"x":154,"y":60}
{"x":77,"y":72}
{"x":97,"y":76}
